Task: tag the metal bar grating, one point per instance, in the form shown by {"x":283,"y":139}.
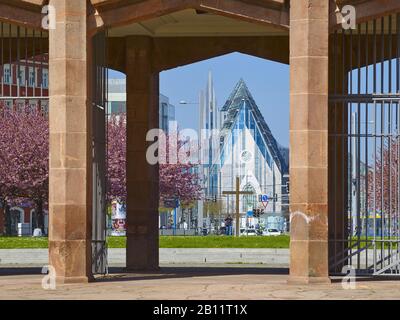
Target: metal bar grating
{"x":364,"y":135}
{"x":99,"y":93}
{"x":24,"y":67}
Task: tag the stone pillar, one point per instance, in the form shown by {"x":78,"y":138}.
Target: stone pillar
{"x":142,"y":178}
{"x":69,"y":183}
{"x":309,"y":34}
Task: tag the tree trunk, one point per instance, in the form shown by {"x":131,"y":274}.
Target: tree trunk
{"x":39,"y":215}
{"x":7,"y":218}
{"x":3,"y":224}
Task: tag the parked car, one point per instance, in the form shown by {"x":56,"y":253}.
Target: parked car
{"x":248,"y":232}
{"x":271,"y":232}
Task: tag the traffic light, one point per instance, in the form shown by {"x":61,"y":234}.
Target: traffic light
{"x":257,"y":212}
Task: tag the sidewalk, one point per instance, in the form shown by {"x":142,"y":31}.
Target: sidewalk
{"x":208,"y":274}
{"x":267,"y":257}
{"x":225,"y":283}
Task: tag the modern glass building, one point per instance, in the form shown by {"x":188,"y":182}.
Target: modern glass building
{"x":248,"y":150}
{"x":117,"y":102}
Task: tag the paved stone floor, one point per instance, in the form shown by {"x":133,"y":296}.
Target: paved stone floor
{"x":209,"y":283}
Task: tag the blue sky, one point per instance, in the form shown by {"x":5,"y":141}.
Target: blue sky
{"x":267,"y":81}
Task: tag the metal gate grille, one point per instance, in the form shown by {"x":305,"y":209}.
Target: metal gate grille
{"x":364,"y":148}
{"x":99,"y":114}
{"x":24,"y":80}
{"x":24,"y":67}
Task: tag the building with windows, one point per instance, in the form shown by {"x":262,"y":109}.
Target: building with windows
{"x":117,"y":102}
{"x":247,"y":149}
{"x":22,"y":220}
{"x":25,"y":82}
{"x":167,"y":113}
{"x":116,"y":96}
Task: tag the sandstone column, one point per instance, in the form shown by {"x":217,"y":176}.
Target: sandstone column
{"x":309,"y":34}
{"x":142,"y":179}
{"x":70,"y":196}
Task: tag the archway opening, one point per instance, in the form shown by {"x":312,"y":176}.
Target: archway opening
{"x":175,"y":200}
{"x":246,"y":98}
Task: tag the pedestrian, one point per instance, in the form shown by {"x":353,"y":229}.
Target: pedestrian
{"x":228,"y":225}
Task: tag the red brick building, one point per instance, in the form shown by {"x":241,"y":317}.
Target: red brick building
{"x":30,"y":86}
{"x":21,"y":214}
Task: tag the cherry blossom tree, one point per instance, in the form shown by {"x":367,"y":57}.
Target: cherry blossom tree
{"x":177,"y":181}
{"x":383,"y":195}
{"x":4,"y":193}
{"x":116,"y":161}
{"x":24,"y":159}
{"x":180,"y":182}
{"x":24,"y":164}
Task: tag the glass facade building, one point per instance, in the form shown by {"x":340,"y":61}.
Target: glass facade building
{"x":248,"y":150}
{"x":117,"y":102}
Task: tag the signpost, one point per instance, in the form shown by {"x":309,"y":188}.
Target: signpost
{"x":237,"y":193}
{"x":263,"y":198}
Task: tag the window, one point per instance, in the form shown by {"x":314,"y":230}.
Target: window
{"x":45,"y":78}
{"x":247,"y":117}
{"x":228,"y":147}
{"x":252,"y":125}
{"x":33,"y":104}
{"x":262,"y":147}
{"x":171,"y":112}
{"x":45,"y":106}
{"x":31,"y":80}
{"x":7,"y":74}
{"x":21,"y":76}
{"x":269,"y":159}
{"x":164,"y":116}
{"x":241,"y":118}
{"x":8,"y":104}
{"x":20,"y":104}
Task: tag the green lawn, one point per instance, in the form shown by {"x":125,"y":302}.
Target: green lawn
{"x":177,"y":242}
{"x":166,"y":242}
{"x":213,"y":242}
{"x":23,"y":243}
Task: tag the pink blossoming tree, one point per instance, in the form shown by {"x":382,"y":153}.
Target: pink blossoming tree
{"x":24,"y":164}
{"x":177,"y":181}
{"x":24,"y":159}
{"x":116,"y":160}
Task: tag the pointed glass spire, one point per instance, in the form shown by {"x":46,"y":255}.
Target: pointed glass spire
{"x":235,"y":102}
{"x":239,"y":93}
